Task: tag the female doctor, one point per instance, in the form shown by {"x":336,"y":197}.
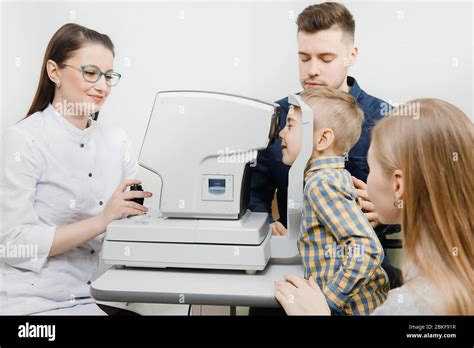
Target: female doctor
{"x":64,"y":180}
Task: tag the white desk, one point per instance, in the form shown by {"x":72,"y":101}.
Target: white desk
{"x":190,"y":286}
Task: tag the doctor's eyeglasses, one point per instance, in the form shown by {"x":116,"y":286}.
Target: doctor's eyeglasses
{"x":92,"y":73}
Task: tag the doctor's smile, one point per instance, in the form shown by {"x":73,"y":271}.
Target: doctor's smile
{"x":97,"y":98}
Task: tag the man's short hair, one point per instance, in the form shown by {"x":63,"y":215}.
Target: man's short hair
{"x":337,"y":110}
{"x":325,"y":16}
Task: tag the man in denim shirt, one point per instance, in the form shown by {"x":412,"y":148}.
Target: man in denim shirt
{"x":326,"y":51}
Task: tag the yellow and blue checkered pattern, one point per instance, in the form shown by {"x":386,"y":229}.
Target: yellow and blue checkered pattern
{"x":338,"y":246}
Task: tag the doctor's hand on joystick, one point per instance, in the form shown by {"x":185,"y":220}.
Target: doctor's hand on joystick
{"x":123,"y":203}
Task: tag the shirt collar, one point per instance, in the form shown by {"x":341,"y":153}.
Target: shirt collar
{"x":355,"y":90}
{"x":334,"y":162}
{"x":65,"y":124}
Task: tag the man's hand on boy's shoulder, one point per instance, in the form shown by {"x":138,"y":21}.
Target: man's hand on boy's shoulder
{"x":367,"y":206}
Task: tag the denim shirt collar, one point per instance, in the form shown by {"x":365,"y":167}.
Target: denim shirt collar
{"x":355,"y":90}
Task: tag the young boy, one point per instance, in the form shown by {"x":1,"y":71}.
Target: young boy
{"x":338,"y":246}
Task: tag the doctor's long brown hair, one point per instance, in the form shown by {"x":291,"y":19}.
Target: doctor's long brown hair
{"x":69,"y":38}
{"x":433,"y":149}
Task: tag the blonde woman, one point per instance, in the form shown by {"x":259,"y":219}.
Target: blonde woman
{"x":421,"y":176}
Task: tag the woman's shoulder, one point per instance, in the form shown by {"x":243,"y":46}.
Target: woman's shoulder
{"x":27,"y":128}
{"x":419,"y":296}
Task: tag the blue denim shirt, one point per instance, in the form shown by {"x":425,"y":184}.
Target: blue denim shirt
{"x":271,"y":174}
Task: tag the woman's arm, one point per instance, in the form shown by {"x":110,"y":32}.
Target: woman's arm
{"x":21,"y":227}
{"x":68,"y":237}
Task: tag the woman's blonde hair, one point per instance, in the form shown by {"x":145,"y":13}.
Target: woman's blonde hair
{"x":432,"y":142}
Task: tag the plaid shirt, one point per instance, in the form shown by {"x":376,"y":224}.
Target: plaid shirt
{"x":338,"y":245}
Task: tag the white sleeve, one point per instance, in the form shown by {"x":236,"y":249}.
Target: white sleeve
{"x":130,"y":163}
{"x":21,"y":229}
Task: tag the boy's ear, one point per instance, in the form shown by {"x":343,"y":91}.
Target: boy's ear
{"x":325,"y":138}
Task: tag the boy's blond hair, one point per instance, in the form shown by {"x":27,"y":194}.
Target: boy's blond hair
{"x":338,"y":111}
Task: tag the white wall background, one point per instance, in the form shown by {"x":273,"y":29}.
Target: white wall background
{"x":407,"y":50}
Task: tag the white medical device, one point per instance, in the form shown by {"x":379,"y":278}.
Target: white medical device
{"x":202,"y":145}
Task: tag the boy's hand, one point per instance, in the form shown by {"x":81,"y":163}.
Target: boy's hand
{"x":367,"y":206}
{"x":301,"y":297}
{"x":278,"y":229}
